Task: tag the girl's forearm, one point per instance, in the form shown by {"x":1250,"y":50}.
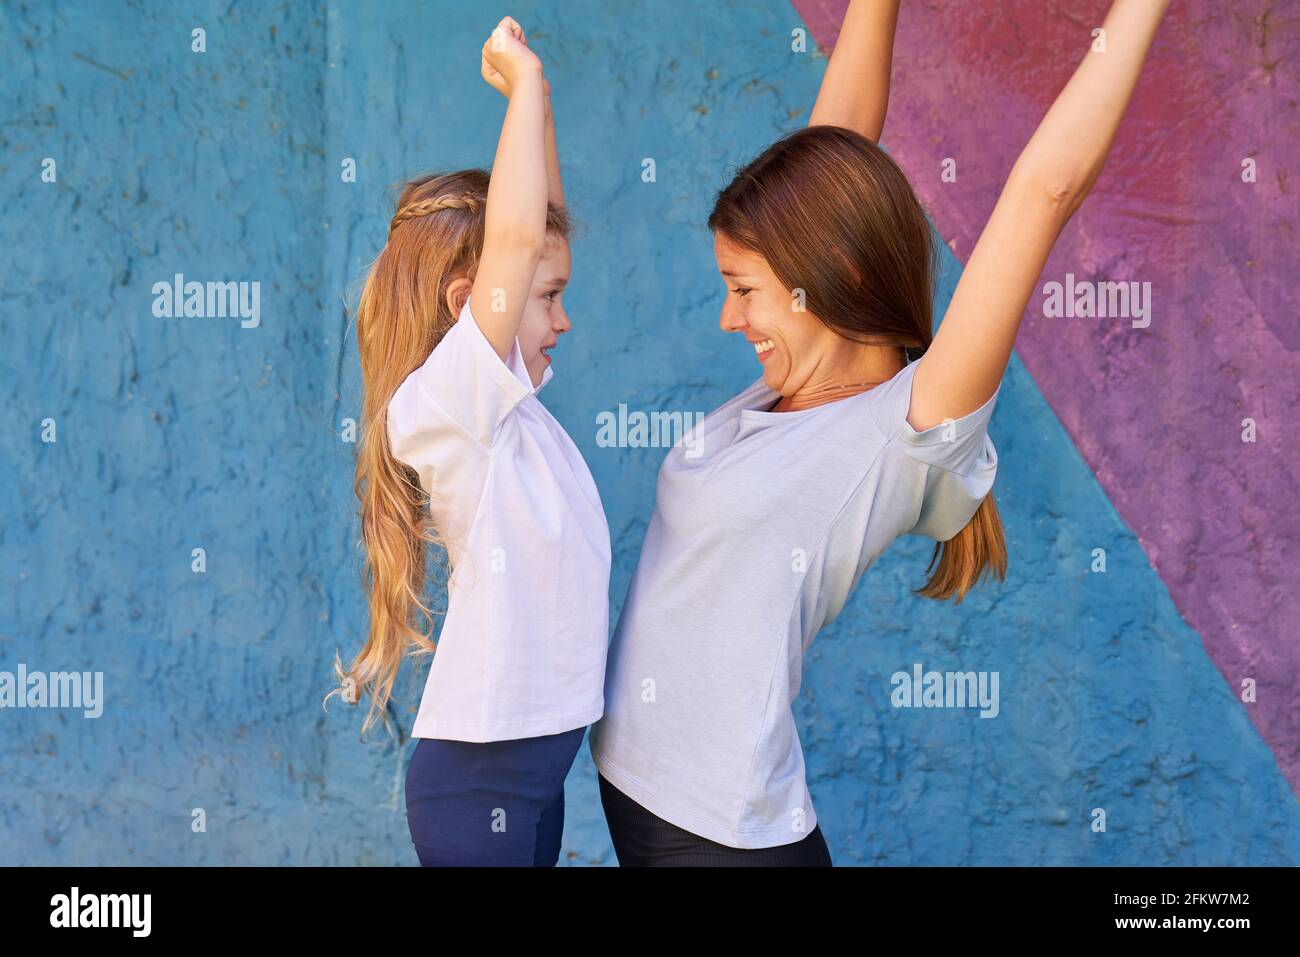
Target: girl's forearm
{"x":1067,"y":151}
{"x":855,"y":90}
{"x":554,"y":183}
{"x":516,"y":201}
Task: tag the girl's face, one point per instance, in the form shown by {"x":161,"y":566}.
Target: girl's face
{"x":544,"y":318}
{"x":788,"y":341}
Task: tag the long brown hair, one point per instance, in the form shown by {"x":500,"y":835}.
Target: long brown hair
{"x":834,"y":216}
{"x":435,"y":236}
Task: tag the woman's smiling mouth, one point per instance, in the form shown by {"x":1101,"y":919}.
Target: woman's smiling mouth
{"x":764,"y":348}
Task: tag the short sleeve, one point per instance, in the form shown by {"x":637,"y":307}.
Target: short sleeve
{"x":957,"y":460}
{"x":462,"y":387}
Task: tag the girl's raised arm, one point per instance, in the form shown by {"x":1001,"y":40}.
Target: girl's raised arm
{"x":855,"y":90}
{"x":969,"y":355}
{"x":515,"y":221}
{"x":555,"y":184}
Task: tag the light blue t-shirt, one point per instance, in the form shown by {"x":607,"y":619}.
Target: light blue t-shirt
{"x":763,"y":523}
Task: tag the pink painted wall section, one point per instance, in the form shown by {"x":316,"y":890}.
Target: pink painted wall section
{"x":1156,"y":412}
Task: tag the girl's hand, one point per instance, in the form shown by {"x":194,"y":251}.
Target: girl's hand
{"x":506,"y":57}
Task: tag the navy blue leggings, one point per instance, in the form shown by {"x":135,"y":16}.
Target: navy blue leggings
{"x":489,"y":803}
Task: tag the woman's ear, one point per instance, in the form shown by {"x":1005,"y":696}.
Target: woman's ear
{"x":457,"y":292}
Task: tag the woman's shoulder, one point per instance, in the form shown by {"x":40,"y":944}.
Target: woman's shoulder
{"x":888,"y":403}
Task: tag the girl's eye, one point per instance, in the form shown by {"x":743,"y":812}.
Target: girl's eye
{"x":742,"y":291}
{"x":552,"y":294}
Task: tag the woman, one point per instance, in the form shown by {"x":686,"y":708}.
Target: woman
{"x":797,"y":484}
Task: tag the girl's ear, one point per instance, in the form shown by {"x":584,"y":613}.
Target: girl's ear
{"x":457,"y":292}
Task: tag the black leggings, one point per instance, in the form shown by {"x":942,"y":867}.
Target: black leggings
{"x":642,"y":839}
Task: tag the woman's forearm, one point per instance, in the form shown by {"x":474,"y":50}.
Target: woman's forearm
{"x":1067,"y":151}
{"x":855,"y":90}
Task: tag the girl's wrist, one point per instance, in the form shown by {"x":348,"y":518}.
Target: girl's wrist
{"x":528,"y":78}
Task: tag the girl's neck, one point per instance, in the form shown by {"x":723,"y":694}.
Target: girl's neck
{"x":868,"y":368}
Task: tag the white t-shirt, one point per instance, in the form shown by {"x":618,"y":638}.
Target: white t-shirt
{"x":755,"y":544}
{"x":522,"y":648}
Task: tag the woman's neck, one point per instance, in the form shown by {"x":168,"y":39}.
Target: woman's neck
{"x":867,"y":368}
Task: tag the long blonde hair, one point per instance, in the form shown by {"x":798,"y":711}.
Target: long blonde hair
{"x":435,"y":236}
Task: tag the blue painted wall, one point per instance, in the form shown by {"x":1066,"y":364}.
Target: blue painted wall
{"x":175,"y":434}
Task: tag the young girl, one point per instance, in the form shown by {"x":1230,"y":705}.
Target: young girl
{"x":842,"y":445}
{"x":455,"y":326}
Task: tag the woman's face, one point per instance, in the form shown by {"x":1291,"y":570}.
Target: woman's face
{"x":544,"y":318}
{"x":788,"y":341}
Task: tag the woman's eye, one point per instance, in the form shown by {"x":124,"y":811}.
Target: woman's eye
{"x":742,"y":291}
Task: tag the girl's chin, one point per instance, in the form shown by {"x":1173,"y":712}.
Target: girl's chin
{"x":538,"y":366}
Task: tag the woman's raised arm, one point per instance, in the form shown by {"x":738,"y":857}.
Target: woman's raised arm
{"x":855,"y":90}
{"x":969,"y":355}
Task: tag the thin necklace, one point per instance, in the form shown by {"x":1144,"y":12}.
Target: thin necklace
{"x":833,"y":388}
{"x":822,"y":392}
{"x":851,"y":385}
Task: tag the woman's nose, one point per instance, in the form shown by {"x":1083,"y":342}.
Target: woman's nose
{"x":730,"y":320}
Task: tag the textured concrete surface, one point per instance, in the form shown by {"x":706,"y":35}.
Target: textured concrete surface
{"x":175,"y":434}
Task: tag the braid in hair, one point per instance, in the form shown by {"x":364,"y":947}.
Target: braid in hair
{"x":431,"y":205}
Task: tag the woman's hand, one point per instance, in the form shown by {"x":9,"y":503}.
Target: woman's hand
{"x":506,"y":56}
